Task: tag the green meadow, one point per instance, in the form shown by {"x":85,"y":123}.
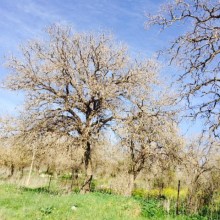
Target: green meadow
{"x":19,"y":203}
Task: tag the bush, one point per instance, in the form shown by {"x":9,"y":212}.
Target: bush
{"x":170,"y":193}
{"x":139,"y":193}
{"x":93,"y":185}
{"x":66,"y":176}
{"x":151,"y":208}
{"x":76,"y":189}
{"x":153,"y":193}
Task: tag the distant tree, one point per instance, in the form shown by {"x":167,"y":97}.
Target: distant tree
{"x":16,"y":150}
{"x":197,"y":51}
{"x":77,"y":85}
{"x":201,"y":165}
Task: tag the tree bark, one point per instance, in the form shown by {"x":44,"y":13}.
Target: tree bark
{"x":21,"y":172}
{"x":191,"y":206}
{"x":74,"y":178}
{"x":31,"y":167}
{"x":131,"y":184}
{"x":50,"y":179}
{"x":178,"y":197}
{"x":86,"y":187}
{"x":12,"y":168}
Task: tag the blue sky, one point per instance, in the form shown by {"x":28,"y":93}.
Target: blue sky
{"x":26,"y":19}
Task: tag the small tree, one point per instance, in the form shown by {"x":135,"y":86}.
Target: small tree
{"x":201,"y":164}
{"x":15,"y":152}
{"x":150,"y":135}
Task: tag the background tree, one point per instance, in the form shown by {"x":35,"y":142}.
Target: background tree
{"x":197,"y":51}
{"x":150,"y":133}
{"x":14,"y":150}
{"x":201,"y":164}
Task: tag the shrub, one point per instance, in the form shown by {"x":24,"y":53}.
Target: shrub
{"x":170,"y":193}
{"x":153,"y":193}
{"x":151,"y":208}
{"x":139,"y":193}
{"x":76,"y":189}
{"x":66,"y":176}
{"x":93,"y":185}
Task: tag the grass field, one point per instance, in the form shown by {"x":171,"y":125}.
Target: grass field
{"x":27,"y":204}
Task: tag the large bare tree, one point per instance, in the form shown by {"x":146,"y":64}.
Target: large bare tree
{"x":77,"y":85}
{"x":197,"y":51}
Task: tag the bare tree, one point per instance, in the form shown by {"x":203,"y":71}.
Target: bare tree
{"x":200,"y":163}
{"x":197,"y":51}
{"x":150,"y":135}
{"x":77,"y":85}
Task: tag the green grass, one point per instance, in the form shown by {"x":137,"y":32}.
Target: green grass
{"x":22,"y":203}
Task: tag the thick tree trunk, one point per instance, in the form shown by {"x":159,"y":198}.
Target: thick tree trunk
{"x":86,"y":187}
{"x":192,"y":200}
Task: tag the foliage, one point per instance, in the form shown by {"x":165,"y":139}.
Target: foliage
{"x":139,"y":193}
{"x":66,"y":176}
{"x":151,"y":208}
{"x":168,"y":193}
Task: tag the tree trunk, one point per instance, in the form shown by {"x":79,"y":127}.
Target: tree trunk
{"x":21,"y":172}
{"x":131,"y":180}
{"x":50,"y":179}
{"x":12,"y":169}
{"x":178,"y":197}
{"x":191,"y":204}
{"x":86,"y":187}
{"x":74,"y":178}
{"x":31,"y":167}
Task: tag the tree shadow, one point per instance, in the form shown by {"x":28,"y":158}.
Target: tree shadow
{"x":39,"y":190}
